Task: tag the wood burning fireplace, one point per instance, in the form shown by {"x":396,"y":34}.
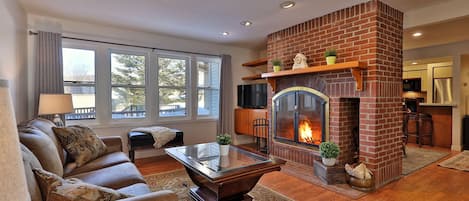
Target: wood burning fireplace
{"x":300,"y":116}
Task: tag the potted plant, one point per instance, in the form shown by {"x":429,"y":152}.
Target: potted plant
{"x":329,"y":152}
{"x":224,"y":140}
{"x":277,"y":65}
{"x":331,"y":56}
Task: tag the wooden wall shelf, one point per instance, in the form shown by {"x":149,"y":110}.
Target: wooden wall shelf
{"x":355,"y":67}
{"x":255,"y":63}
{"x":253,"y":77}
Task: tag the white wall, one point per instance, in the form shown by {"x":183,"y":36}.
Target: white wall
{"x":13,"y":54}
{"x":194,"y":131}
{"x":454,"y":50}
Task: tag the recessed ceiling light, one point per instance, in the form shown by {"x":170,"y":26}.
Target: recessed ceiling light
{"x":414,"y":63}
{"x":246,"y":23}
{"x":417,"y":34}
{"x":287,"y":4}
{"x":225,"y":33}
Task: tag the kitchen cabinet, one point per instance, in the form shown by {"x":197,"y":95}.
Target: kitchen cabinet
{"x":422,"y":74}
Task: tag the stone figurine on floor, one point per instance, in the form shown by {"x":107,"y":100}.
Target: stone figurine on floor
{"x":300,"y":61}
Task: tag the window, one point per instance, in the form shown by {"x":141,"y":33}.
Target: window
{"x":208,"y":82}
{"x":79,"y":80}
{"x":113,"y":84}
{"x":128,"y":85}
{"x":172,"y":86}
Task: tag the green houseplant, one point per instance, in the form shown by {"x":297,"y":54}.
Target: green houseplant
{"x":329,"y":152}
{"x":277,"y":65}
{"x":224,"y":140}
{"x":331,"y":56}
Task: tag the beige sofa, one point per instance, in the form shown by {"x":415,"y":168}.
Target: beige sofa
{"x":41,"y":149}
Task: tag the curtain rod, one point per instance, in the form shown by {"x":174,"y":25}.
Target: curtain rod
{"x":123,"y":44}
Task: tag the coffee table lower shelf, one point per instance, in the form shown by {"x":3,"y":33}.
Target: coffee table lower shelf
{"x":235,"y":188}
{"x":199,"y":194}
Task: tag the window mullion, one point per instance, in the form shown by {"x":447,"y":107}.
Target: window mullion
{"x":195,"y":91}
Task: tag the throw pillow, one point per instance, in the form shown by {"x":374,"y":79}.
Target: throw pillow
{"x":81,"y":143}
{"x":54,"y":188}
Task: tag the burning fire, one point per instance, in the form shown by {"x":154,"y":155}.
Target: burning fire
{"x":306,"y":133}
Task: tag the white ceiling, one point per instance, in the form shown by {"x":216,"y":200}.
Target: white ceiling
{"x":203,"y":20}
{"x":437,"y":33}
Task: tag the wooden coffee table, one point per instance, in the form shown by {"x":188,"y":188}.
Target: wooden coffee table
{"x":218,"y":177}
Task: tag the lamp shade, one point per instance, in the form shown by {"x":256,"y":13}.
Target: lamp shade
{"x":13,"y":179}
{"x":55,"y":104}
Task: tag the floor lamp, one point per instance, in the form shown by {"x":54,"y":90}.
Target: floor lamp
{"x":13,"y":180}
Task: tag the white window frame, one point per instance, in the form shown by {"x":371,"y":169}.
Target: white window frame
{"x":187,"y":86}
{"x":103,"y":84}
{"x":89,"y":47}
{"x":145,"y":86}
{"x":209,"y":59}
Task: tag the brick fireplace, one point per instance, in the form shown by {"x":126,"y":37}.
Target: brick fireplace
{"x":370,"y":33}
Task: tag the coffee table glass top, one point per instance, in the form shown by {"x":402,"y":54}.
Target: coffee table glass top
{"x":208,"y":155}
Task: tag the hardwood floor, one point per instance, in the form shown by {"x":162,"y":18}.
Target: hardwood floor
{"x":428,"y":184}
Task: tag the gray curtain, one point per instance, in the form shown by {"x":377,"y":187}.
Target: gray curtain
{"x":49,"y":66}
{"x":225,"y":120}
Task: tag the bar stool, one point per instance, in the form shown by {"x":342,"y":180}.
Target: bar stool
{"x":426,"y":128}
{"x":409,"y":118}
{"x":423,"y":127}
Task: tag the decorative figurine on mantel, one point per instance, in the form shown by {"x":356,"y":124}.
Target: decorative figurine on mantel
{"x":300,"y":61}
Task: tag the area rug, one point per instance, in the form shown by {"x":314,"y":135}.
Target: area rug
{"x":458,"y":162}
{"x":179,"y":182}
{"x":418,"y":158}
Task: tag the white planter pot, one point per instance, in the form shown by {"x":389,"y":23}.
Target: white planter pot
{"x":224,"y":149}
{"x":328,"y":161}
{"x":224,"y":161}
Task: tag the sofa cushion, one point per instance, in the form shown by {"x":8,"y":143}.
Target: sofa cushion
{"x":135,"y":189}
{"x":115,"y":177}
{"x":43,"y":148}
{"x":46,"y":126}
{"x":30,"y":162}
{"x":81,"y":143}
{"x":58,"y":189}
{"x":101,"y":162}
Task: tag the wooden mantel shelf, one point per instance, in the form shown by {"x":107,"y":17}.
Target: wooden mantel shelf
{"x":355,"y":67}
{"x":258,"y":62}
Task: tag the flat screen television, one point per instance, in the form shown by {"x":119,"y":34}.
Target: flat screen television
{"x":252,"y":96}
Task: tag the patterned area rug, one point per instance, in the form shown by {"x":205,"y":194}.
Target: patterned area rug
{"x":458,"y":162}
{"x":179,"y":182}
{"x":418,"y":158}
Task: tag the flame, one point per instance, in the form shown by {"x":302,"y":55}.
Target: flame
{"x":306,"y":133}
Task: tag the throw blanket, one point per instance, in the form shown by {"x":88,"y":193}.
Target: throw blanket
{"x":161,"y":135}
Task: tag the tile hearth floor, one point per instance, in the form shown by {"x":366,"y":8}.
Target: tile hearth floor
{"x":429,"y":183}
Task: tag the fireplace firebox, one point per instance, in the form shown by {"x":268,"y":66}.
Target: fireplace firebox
{"x":301,"y":116}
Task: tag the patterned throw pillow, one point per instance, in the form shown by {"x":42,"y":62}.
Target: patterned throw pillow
{"x":54,"y":188}
{"x":81,"y":143}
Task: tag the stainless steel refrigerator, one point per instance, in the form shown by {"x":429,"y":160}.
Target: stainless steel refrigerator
{"x":442,"y":90}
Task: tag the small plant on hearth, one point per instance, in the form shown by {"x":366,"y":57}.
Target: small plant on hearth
{"x":224,"y":139}
{"x":329,"y":152}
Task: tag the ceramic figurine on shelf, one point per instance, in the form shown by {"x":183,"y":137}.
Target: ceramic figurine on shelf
{"x":300,"y":61}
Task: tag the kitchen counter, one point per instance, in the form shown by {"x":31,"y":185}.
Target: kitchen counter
{"x":442,"y":122}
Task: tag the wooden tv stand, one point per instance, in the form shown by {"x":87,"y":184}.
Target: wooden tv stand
{"x":244,"y":119}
